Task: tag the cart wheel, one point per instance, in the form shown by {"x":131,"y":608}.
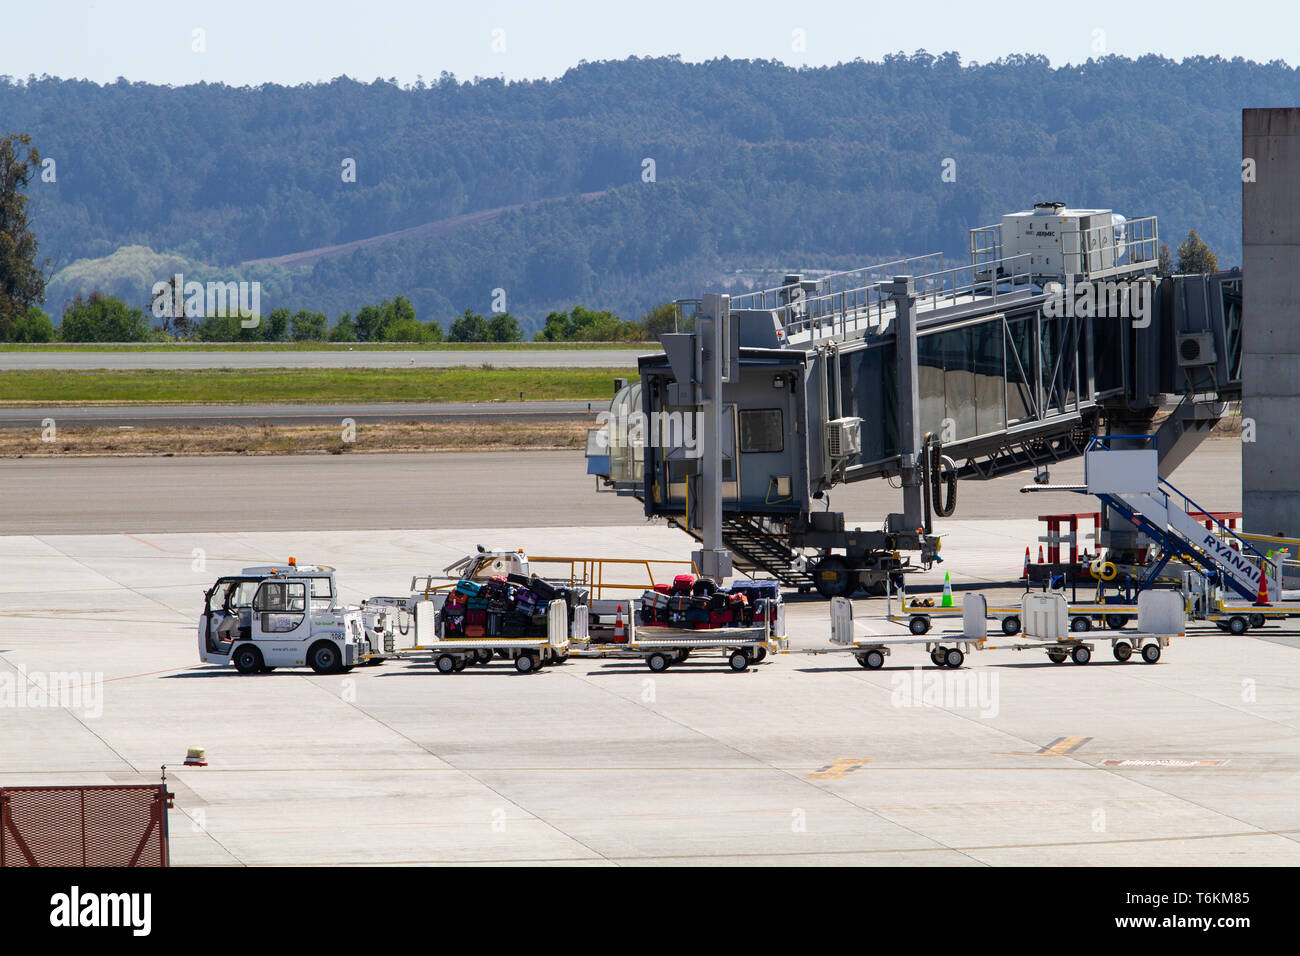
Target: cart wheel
{"x":1081,"y":624}
{"x":248,"y":659}
{"x":1257,"y":621}
{"x":657,"y":662}
{"x":1116,"y":621}
{"x":739,"y":660}
{"x":919,"y":624}
{"x":680,"y":656}
{"x":1151,"y":653}
{"x":1011,"y":626}
{"x":939,"y":656}
{"x":759,"y":654}
{"x":558,"y":659}
{"x":446,"y":664}
{"x":504,"y":655}
{"x":872,"y":660}
{"x":1081,"y":655}
{"x":462,"y":664}
{"x":526,"y":663}
{"x":1122,"y":650}
{"x":954,"y":658}
{"x":1056,"y":655}
{"x":1237,"y":625}
{"x":484,"y":655}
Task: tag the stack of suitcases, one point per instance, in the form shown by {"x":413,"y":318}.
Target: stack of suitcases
{"x":506,"y":607}
{"x":700,"y":604}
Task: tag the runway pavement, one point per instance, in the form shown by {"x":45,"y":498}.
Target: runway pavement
{"x":452,"y":490}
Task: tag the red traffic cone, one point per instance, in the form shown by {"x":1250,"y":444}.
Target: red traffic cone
{"x":620,"y":628}
{"x":1024,"y":575}
{"x":1040,"y":555}
{"x":1262,"y":597}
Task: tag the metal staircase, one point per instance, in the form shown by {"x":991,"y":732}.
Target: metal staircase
{"x":758,"y":548}
{"x":1126,"y":480}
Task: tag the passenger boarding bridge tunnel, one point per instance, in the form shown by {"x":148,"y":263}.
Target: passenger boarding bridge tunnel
{"x":1058,"y":329}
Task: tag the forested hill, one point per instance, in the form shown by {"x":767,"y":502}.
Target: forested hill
{"x":758,"y":167}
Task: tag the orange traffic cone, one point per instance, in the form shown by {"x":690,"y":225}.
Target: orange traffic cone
{"x":1040,"y":554}
{"x":1262,"y":597}
{"x":620,"y":628}
{"x":1024,"y":575}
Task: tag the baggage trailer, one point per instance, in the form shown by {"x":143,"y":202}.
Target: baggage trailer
{"x":451,"y":654}
{"x":871,"y":650}
{"x":661,"y":647}
{"x":919,"y":618}
{"x":602,"y":580}
{"x":1161,"y":617}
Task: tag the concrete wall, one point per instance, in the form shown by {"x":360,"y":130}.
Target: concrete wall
{"x":1270,"y":236}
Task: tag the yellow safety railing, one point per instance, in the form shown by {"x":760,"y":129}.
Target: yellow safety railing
{"x":589,"y":573}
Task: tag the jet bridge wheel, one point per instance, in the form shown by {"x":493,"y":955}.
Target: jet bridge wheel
{"x":248,"y":659}
{"x":833,"y":578}
{"x":1122,"y":650}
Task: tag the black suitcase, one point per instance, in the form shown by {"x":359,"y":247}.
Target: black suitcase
{"x":544,"y":590}
{"x":703,"y":587}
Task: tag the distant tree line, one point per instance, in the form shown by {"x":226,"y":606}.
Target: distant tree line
{"x":106,"y":318}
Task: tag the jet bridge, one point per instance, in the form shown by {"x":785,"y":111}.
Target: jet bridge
{"x":921,"y":374}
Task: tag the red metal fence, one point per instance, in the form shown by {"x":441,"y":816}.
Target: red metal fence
{"x":84,"y":826}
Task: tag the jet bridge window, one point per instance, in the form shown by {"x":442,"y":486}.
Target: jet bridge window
{"x":762,"y":430}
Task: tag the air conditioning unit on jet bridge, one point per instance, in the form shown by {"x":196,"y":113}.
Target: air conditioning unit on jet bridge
{"x":844,"y":437}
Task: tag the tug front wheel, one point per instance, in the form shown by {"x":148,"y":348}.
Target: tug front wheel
{"x":248,"y":659}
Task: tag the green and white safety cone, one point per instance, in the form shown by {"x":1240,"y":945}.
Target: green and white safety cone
{"x":947,"y":590}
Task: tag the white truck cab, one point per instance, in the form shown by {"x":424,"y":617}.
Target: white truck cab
{"x":282,"y":616}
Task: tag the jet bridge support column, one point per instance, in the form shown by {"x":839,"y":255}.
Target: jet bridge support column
{"x":717,"y":365}
{"x":903,"y":293}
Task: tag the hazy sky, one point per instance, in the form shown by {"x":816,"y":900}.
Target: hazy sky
{"x":291,"y":42}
